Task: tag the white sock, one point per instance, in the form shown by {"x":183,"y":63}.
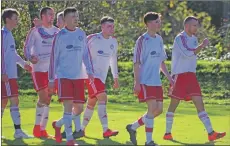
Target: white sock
{"x":87,"y":116}
{"x":149,"y":121}
{"x":67,"y":118}
{"x":77,"y":122}
{"x":45,"y":117}
{"x":139,"y":122}
{"x":15,"y":115}
{"x":206,"y":121}
{"x":39,"y":112}
{"x":169,"y":121}
{"x":103,"y":115}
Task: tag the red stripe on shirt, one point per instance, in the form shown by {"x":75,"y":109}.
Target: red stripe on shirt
{"x":185,"y":44}
{"x":139,"y":49}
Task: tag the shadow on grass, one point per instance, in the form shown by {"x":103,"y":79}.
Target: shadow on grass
{"x":211,"y":143}
{"x":107,"y":141}
{"x":53,"y":142}
{"x":13,"y":142}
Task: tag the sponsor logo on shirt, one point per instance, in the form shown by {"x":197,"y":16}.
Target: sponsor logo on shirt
{"x":154,"y":54}
{"x":44,"y":42}
{"x":102,"y":53}
{"x":73,"y":48}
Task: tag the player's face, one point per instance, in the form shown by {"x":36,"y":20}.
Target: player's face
{"x":193,"y":26}
{"x":13,"y":20}
{"x":108,"y":28}
{"x":49,"y":16}
{"x":154,"y":25}
{"x":60,"y":22}
{"x":72,"y":19}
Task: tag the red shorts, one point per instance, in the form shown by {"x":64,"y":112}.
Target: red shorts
{"x":69,"y":89}
{"x":40,"y":80}
{"x":95,"y":88}
{"x":150,"y":92}
{"x":10,"y":88}
{"x":186,"y":86}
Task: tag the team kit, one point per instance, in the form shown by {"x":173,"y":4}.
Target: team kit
{"x":63,"y":60}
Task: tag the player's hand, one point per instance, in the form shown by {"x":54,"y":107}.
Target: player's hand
{"x":137,"y":88}
{"x":28,"y":67}
{"x":51,"y":88}
{"x":116,"y":83}
{"x":37,"y":22}
{"x":205,"y":43}
{"x":5,"y":78}
{"x":34,"y":59}
{"x":91,"y":78}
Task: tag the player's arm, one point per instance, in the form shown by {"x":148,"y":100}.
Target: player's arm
{"x":201,"y":46}
{"x":54,"y":58}
{"x":181,"y":45}
{"x":3,"y":64}
{"x":114,"y":68}
{"x":163,"y":67}
{"x":87,"y":60}
{"x":53,"y":63}
{"x":29,"y":43}
{"x":22,"y":62}
{"x":166,"y":73}
{"x":137,"y":63}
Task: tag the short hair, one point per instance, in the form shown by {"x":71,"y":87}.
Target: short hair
{"x":8,"y":13}
{"x":149,"y":16}
{"x":107,"y":19}
{"x":189,"y":18}
{"x":44,"y":11}
{"x":61,"y":14}
{"x":69,"y":10}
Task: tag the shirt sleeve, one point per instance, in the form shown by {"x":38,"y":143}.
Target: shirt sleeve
{"x":54,"y":58}
{"x":113,"y":62}
{"x":19,"y":60}
{"x":181,"y":46}
{"x":138,"y":50}
{"x":3,"y":44}
{"x":87,"y":58}
{"x":29,"y":43}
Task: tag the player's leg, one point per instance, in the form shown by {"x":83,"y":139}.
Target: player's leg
{"x":212,"y":135}
{"x":12,"y":88}
{"x":46,"y":102}
{"x":149,"y":120}
{"x":88,"y":113}
{"x":76,"y":113}
{"x":65,"y":95}
{"x":40,"y":81}
{"x":102,"y":114}
{"x":170,"y":117}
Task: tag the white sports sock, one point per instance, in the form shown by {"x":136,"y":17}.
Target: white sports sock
{"x":139,"y":122}
{"x":103,"y":115}
{"x":87,"y":116}
{"x":39,"y":112}
{"x":206,"y":121}
{"x":45,"y":117}
{"x":149,"y":121}
{"x":67,"y":118}
{"x":169,"y":121}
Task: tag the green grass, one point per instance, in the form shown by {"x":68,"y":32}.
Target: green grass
{"x":187,"y":128}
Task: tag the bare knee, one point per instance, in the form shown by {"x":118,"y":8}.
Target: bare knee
{"x":77,"y":108}
{"x":102,"y":97}
{"x":14,"y":101}
{"x":91,"y":102}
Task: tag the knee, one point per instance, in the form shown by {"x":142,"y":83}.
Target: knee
{"x":159,"y":111}
{"x":14,"y":101}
